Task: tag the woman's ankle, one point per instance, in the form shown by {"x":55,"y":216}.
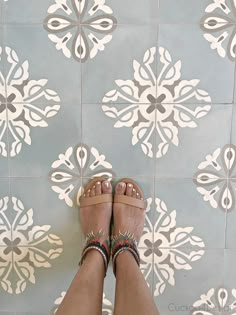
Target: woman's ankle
{"x":124,"y":258}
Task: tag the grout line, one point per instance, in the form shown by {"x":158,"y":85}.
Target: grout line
{"x":117,"y":24}
{"x":115,"y":177}
{"x":142,"y":104}
{"x":234,"y":80}
{"x":162,"y":103}
{"x":81,"y":111}
{"x":228,"y":176}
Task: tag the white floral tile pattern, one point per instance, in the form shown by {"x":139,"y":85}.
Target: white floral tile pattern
{"x":139,"y":89}
{"x":18,"y":112}
{"x":90,"y":35}
{"x":72,"y":165}
{"x":216,"y":301}
{"x":107,"y":308}
{"x":164,"y":119}
{"x":21,"y":251}
{"x":216,"y":178}
{"x":218,"y":25}
{"x":168,"y":239}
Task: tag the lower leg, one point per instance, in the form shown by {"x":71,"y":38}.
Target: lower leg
{"x":133,"y":297}
{"x":83,"y":297}
{"x":132,"y":293}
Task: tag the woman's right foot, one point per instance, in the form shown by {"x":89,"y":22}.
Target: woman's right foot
{"x":127,"y":217}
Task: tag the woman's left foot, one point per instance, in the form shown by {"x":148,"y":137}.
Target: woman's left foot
{"x":98,"y":216}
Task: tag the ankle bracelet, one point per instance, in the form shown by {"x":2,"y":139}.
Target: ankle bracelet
{"x":121,"y":243}
{"x":93,"y":241}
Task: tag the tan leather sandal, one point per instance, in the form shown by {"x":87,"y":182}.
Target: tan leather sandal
{"x":126,"y":241}
{"x":84,"y":202}
{"x":138,"y":203}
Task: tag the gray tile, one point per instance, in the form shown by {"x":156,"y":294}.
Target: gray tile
{"x":117,"y":145}
{"x":188,"y":216}
{"x":141,"y":12}
{"x":230,"y":273}
{"x":30,"y":12}
{"x":183,"y":11}
{"x":183,"y":281}
{"x":191,"y":139}
{"x":233,"y":133}
{"x":63,"y":131}
{"x":49,"y":244}
{"x":192,"y":60}
{"x":109,"y":77}
{"x":60,"y":75}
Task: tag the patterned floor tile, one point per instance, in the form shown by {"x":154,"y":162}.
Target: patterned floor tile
{"x":190,"y":54}
{"x":218,"y":26}
{"x":187,"y":282}
{"x":98,"y":132}
{"x":35,"y":154}
{"x":45,"y":245}
{"x":184,"y":152}
{"x":185,"y":11}
{"x":133,"y":75}
{"x":51,"y":75}
{"x":6,"y":299}
{"x":4,"y":162}
{"x":68,"y":10}
{"x":191,"y":223}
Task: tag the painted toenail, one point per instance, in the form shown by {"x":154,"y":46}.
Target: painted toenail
{"x":107,"y":184}
{"x":122,"y":185}
{"x":98,"y":183}
{"x":89,"y":191}
{"x":134,"y":190}
{"x":93,"y":187}
{"x":137,"y":194}
{"x":130,"y":185}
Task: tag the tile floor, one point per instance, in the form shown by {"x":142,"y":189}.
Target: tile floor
{"x":124,"y":88}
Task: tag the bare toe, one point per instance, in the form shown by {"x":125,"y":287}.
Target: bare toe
{"x":106,"y":187}
{"x":120,"y":188}
{"x":133,"y":193}
{"x":98,"y":189}
{"x":88,"y":193}
{"x":129,"y":190}
{"x":92,"y":193}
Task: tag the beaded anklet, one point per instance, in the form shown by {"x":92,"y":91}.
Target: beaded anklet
{"x":93,"y":241}
{"x":124,"y":242}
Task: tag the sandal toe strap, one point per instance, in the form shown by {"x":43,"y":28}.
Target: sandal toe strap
{"x":138,"y":203}
{"x":84,"y":202}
